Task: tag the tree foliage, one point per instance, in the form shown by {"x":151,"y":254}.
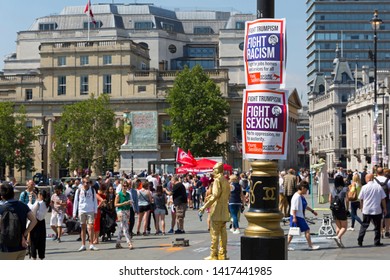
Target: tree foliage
{"x":198,"y":113}
{"x":89,"y":127}
{"x":16,"y":138}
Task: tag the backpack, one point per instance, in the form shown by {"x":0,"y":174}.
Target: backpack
{"x":384,"y":187}
{"x":10,"y":228}
{"x":337,"y":203}
{"x":352,"y":193}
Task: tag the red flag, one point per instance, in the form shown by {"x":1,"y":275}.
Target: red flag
{"x":88,"y":11}
{"x":192,"y":157}
{"x":302,"y":141}
{"x":184,"y":158}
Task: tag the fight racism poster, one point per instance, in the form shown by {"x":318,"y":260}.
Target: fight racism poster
{"x":265,"y":126}
{"x":264,"y":53}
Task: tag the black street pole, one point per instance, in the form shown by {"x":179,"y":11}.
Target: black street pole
{"x":132,"y":162}
{"x":264,"y":238}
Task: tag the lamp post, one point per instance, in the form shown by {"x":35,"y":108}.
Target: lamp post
{"x":68,"y":150}
{"x":42,"y":138}
{"x":233,"y":149}
{"x":132,"y":162}
{"x":375,"y":23}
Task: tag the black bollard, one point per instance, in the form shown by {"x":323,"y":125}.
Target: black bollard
{"x":264,"y":238}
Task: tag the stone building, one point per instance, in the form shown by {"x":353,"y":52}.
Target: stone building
{"x":133,"y":53}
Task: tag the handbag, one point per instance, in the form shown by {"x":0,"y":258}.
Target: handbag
{"x":294,"y":231}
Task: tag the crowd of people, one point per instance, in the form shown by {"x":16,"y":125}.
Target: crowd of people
{"x":101,"y":210}
{"x":365,"y":191}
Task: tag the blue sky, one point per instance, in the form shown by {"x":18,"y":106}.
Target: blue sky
{"x":19,"y":15}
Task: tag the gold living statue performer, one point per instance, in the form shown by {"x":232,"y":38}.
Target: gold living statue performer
{"x":219,"y":214}
{"x":127,"y":127}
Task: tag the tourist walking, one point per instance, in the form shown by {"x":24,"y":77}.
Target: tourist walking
{"x":297,"y":216}
{"x":372,"y":198}
{"x":38,"y":233}
{"x":123,"y":204}
{"x":338,"y":200}
{"x":85,"y":208}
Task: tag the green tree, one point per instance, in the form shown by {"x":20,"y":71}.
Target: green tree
{"x":16,"y":138}
{"x":198,"y":113}
{"x":89,"y":127}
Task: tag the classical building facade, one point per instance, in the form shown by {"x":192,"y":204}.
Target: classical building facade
{"x":342,"y":117}
{"x":133,"y":53}
{"x":330,"y":22}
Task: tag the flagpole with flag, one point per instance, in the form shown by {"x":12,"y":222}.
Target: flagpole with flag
{"x":89,"y":13}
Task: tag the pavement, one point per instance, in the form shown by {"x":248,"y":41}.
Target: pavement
{"x":160,"y":247}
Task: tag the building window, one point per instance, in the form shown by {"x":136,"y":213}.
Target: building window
{"x":47,"y":26}
{"x":107,"y":84}
{"x":92,"y":25}
{"x":240,"y":25}
{"x":61,"y":61}
{"x":203,"y":30}
{"x":29,"y":94}
{"x":143,"y":25}
{"x":167,"y":26}
{"x":166,"y":132}
{"x":84,"y":89}
{"x":107,"y":59}
{"x":141,"y":88}
{"x":61,"y":85}
{"x":29,"y":124}
{"x":144,"y":66}
{"x":84,"y":60}
{"x":237,"y":132}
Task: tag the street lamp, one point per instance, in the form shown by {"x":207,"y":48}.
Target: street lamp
{"x":233,"y":149}
{"x":375,"y":23}
{"x":42,"y":138}
{"x":68,"y":150}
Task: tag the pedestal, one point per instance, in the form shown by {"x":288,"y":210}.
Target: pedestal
{"x":140,"y":160}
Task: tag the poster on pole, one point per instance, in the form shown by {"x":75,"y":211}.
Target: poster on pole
{"x":265,"y":53}
{"x":265,"y":124}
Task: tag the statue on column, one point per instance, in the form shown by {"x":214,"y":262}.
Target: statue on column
{"x":127,"y":127}
{"x":323,"y":180}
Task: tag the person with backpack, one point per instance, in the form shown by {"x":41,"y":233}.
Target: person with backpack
{"x":337,"y":198}
{"x":384,"y":182}
{"x":38,"y":233}
{"x":85,"y":208}
{"x":13,"y":225}
{"x":373,"y":203}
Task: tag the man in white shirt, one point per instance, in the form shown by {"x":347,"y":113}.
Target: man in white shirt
{"x":372,"y":201}
{"x":385,"y":184}
{"x":85,"y":208}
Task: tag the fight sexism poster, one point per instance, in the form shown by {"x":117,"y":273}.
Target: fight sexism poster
{"x":264,"y":53}
{"x":265,"y":126}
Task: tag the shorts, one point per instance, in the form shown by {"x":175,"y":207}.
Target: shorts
{"x":87,"y":218}
{"x":159,"y":211}
{"x":56,"y":218}
{"x":301,"y":223}
{"x":340,"y":215}
{"x":144,"y":208}
{"x":181,"y":210}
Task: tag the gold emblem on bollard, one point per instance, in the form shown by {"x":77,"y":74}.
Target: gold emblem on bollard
{"x":252,"y":191}
{"x":269,"y":193}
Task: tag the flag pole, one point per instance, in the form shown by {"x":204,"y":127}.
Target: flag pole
{"x":89,"y":17}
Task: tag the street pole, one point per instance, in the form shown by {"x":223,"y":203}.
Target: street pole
{"x":264,"y":238}
{"x":132,"y":162}
{"x":375,"y":23}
